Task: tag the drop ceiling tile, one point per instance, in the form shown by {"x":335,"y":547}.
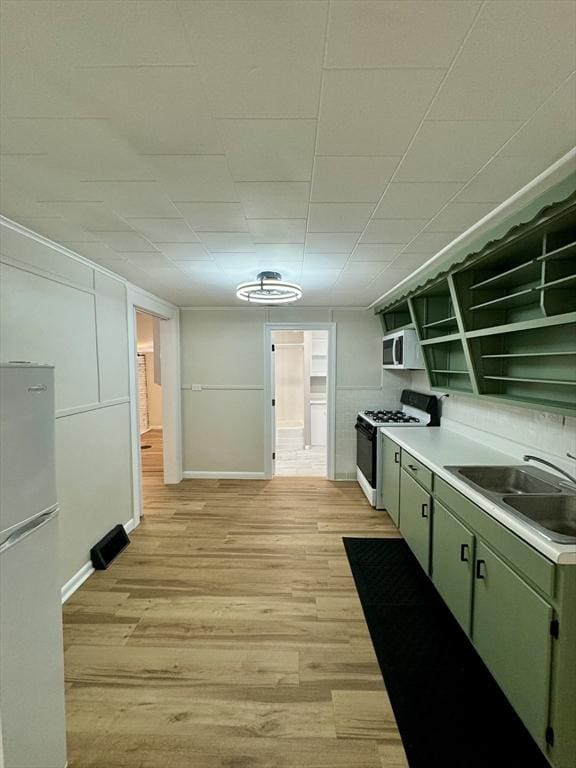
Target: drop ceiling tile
{"x":325,"y":261}
{"x":247,"y":49}
{"x":374,"y":111}
{"x":368,"y":268}
{"x":235,"y":242}
{"x":392,"y":230}
{"x":385,"y":282}
{"x":378,"y":252}
{"x":550,"y":132}
{"x":130,"y":198}
{"x":406,"y":34}
{"x":453,"y":150}
{"x":82,"y":33}
{"x":124,"y":242}
{"x":516,"y":55}
{"x":314,"y":279}
{"x":98,"y":252}
{"x":149,"y":261}
{"x":163,"y":230}
{"x":415,"y":200}
{"x":428,"y":243}
{"x":86,"y":214}
{"x":236,"y":261}
{"x":58,"y":229}
{"x":323,"y":242}
{"x":339,"y":217}
{"x":274,"y":199}
{"x":184,"y":251}
{"x":203,"y":269}
{"x":277,"y":230}
{"x":269,"y":150}
{"x":458,"y":217}
{"x":351,"y":179}
{"x":280,"y":251}
{"x":411,"y":261}
{"x":214,"y":217}
{"x":195,"y":178}
{"x":157,"y":110}
{"x":502,"y":177}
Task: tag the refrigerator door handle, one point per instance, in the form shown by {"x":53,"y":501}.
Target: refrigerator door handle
{"x":28,"y":528}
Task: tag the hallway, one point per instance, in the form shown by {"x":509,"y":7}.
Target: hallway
{"x":230,"y":633}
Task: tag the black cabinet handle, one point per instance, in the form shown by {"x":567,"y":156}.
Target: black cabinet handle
{"x":397,"y":457}
{"x":424,"y":510}
{"x":479,"y":569}
{"x":412,"y":467}
{"x":464,"y":553}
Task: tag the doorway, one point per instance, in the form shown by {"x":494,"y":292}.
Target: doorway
{"x":301,"y":389}
{"x":149,"y":395}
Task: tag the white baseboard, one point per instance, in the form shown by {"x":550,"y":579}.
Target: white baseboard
{"x":77,"y":580}
{"x":86,"y":571}
{"x":199,"y":475}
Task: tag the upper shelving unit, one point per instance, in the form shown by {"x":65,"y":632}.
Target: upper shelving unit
{"x":502,"y":324}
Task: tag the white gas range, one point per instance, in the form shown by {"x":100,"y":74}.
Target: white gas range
{"x":418,"y":410}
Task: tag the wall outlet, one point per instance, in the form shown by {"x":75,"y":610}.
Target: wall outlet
{"x":196,"y":387}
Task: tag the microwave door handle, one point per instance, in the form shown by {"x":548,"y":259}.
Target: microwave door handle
{"x":396,"y":339}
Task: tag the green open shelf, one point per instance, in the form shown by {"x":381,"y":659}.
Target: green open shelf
{"x":501,"y":325}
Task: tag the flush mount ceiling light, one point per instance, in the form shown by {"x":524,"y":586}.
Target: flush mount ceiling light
{"x":269,"y":288}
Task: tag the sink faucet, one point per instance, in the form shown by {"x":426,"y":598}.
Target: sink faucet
{"x":571,"y":479}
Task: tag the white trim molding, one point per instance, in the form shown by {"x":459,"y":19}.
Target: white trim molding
{"x":201,"y":475}
{"x":330,"y":392}
{"x":84,"y":573}
{"x":140,"y":300}
{"x":77,"y":580}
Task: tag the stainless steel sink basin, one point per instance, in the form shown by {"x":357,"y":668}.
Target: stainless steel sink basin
{"x":556,"y":515}
{"x":538,"y":498}
{"x":506,"y":480}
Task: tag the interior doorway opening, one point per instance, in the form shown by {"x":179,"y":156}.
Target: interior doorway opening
{"x":150,"y":407}
{"x":300,"y":402}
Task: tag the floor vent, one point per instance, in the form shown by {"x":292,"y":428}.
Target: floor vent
{"x":109,"y":547}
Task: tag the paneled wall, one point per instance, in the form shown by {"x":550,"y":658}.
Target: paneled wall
{"x":58,"y":310}
{"x":223,"y":352}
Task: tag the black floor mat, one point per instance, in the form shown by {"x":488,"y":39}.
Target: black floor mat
{"x":449,"y":709}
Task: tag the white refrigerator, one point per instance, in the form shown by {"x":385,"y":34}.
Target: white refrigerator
{"x":32,"y":717}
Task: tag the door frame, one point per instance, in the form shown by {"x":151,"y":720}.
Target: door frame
{"x":269,"y":420}
{"x":140,"y":300}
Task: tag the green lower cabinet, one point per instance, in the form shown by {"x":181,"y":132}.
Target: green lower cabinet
{"x":415,"y":518}
{"x":453,"y":564}
{"x":390,"y":467}
{"x":511,"y":632}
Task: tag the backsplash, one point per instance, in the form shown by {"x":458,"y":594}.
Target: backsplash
{"x":541,"y":432}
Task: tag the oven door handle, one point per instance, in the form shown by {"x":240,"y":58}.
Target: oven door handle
{"x":363,"y":431}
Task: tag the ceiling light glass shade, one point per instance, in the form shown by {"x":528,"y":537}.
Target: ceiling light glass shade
{"x":269,"y":288}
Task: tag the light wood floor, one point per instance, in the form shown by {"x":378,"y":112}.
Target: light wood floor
{"x":229,"y":635}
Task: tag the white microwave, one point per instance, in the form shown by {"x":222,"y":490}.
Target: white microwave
{"x":401,"y":349}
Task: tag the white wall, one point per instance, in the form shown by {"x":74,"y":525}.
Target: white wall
{"x":154,"y":392}
{"x":545,"y":434}
{"x":59,"y":310}
{"x":223,"y":352}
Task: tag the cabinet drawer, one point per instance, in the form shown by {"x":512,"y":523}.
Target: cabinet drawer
{"x":418,"y":470}
{"x":537,"y":568}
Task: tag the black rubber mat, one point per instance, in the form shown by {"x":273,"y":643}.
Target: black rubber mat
{"x":449,"y":709}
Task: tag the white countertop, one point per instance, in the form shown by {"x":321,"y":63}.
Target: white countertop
{"x":439,"y":447}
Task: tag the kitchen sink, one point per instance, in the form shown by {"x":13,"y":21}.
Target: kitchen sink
{"x":556,"y":515}
{"x":506,"y":480}
{"x":538,"y":498}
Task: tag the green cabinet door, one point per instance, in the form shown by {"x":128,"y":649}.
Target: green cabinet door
{"x":415,"y":517}
{"x":390,"y":468}
{"x":453,"y":564}
{"x":511,"y":632}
